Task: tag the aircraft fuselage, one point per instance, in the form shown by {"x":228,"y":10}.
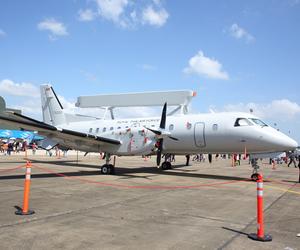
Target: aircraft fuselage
{"x":199,"y":133}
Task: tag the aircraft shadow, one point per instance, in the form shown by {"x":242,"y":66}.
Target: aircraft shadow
{"x":70,"y":163}
{"x":50,"y":175}
{"x":183,"y":173}
{"x":126,"y":172}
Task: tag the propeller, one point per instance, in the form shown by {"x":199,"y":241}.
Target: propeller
{"x":161,"y":133}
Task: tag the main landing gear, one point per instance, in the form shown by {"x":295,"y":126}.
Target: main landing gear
{"x":166,"y":165}
{"x":254,"y":176}
{"x":107,"y":168}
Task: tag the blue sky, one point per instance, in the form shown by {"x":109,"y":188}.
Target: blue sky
{"x":237,"y":55}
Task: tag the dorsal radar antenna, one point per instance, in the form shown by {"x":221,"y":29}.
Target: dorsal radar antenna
{"x":180,"y":99}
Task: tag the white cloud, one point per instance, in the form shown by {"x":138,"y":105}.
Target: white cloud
{"x":239,"y":33}
{"x":86,"y":15}
{"x":18,"y":89}
{"x":278,"y":109}
{"x":128,"y":13}
{"x":2,"y":33}
{"x":155,"y":17}
{"x":111,"y":9}
{"x":56,"y":28}
{"x":31,"y":107}
{"x":205,"y":66}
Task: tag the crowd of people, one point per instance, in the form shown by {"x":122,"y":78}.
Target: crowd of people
{"x":7,"y":147}
{"x":290,"y":158}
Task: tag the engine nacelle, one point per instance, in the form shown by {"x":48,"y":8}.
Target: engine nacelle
{"x":136,"y":141}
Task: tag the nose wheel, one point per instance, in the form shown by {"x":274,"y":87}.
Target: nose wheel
{"x":254,"y":177}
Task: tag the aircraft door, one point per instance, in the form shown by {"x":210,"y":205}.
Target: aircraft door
{"x":199,"y":134}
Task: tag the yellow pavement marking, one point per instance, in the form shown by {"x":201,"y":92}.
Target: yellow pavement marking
{"x":283,"y":189}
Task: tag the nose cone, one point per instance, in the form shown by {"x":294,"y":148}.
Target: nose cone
{"x":272,"y":140}
{"x":283,"y":142}
{"x":288,"y":143}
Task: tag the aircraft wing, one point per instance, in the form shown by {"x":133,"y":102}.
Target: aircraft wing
{"x":27,"y":123}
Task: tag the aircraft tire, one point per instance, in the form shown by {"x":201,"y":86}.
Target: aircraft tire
{"x":105,"y":169}
{"x":166,"y":165}
{"x":254,"y":177}
{"x":169,"y":165}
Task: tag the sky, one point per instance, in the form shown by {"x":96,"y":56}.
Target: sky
{"x":237,"y":55}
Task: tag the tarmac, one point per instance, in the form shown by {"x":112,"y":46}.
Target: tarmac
{"x":202,"y":206}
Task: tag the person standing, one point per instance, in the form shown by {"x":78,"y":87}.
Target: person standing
{"x":210,"y":158}
{"x":292,"y":159}
{"x":187,"y":160}
{"x":34,"y":148}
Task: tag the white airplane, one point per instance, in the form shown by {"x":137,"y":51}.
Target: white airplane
{"x":229,"y":132}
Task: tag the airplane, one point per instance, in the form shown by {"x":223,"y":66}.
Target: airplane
{"x":226,"y":132}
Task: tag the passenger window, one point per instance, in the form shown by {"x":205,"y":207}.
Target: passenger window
{"x":171,"y":127}
{"x":242,"y":122}
{"x":111,"y":128}
{"x":97,"y":130}
{"x":104,"y":129}
{"x":215,"y":127}
{"x":91,"y":130}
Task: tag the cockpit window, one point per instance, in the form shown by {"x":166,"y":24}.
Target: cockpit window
{"x":258,"y":122}
{"x":242,"y":122}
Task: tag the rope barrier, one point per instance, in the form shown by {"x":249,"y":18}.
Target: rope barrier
{"x":152,"y":186}
{"x":138,"y":186}
{"x":11,"y":169}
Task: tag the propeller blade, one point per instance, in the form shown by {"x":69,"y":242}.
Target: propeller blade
{"x":159,"y":152}
{"x":163,"y":117}
{"x":154,"y":131}
{"x":173,"y":138}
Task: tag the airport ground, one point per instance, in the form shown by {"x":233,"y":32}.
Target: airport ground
{"x":203,"y":206}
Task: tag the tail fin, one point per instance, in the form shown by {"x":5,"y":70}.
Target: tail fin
{"x":53,"y":112}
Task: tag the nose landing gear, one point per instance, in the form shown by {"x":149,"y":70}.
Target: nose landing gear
{"x":254,"y":176}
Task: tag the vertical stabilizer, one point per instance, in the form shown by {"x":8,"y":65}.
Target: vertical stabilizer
{"x":53,"y":112}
